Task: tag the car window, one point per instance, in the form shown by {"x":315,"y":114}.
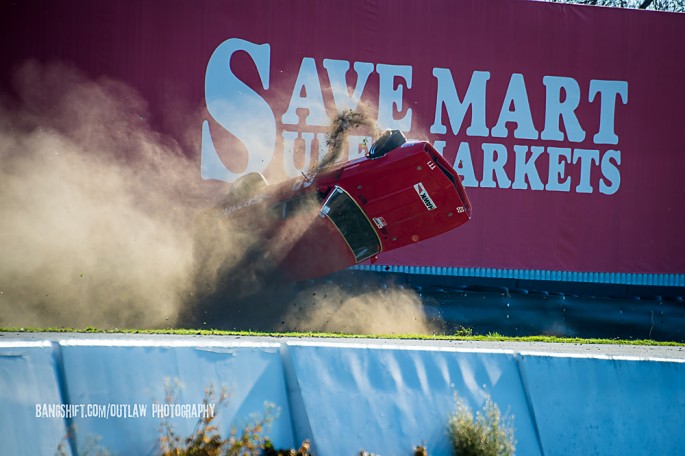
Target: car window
{"x":354,"y":226}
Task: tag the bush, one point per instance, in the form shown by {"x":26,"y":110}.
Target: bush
{"x":269,"y":450}
{"x":489,"y":434}
{"x":92,"y":446}
{"x":206,"y":439}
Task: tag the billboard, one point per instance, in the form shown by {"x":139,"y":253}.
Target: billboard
{"x":563,"y":121}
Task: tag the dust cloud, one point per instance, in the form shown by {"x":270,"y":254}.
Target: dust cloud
{"x":94,"y":221}
{"x":105,"y":222}
{"x":358,"y":310}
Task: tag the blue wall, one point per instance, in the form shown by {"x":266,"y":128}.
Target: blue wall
{"x":344,"y":397}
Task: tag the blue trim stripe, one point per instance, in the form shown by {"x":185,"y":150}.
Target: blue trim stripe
{"x":667,"y":280}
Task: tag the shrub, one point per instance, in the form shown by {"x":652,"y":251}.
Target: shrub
{"x":269,"y":450}
{"x":489,"y":434}
{"x":206,"y":439}
{"x":91,"y":446}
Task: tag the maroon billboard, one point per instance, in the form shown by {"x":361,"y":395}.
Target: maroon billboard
{"x":564,"y":122}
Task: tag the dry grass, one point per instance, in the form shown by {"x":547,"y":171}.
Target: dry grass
{"x":206,"y":439}
{"x":488,"y":434}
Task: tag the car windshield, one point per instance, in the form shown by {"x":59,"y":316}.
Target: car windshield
{"x":354,"y":226}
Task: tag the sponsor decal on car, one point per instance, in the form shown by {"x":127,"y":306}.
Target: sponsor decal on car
{"x":425,"y":197}
{"x":380,"y":222}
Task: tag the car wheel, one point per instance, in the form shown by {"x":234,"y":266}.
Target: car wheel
{"x":244,"y":188}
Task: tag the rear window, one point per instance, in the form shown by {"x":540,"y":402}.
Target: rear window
{"x":352,"y":223}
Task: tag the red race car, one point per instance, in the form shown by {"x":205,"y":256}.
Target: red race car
{"x":400,"y":193}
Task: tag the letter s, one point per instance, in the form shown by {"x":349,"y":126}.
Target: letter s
{"x":239,"y":109}
{"x":610,"y":172}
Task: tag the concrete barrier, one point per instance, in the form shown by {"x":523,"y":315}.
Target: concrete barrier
{"x":345,"y":397}
{"x":141,"y":373}
{"x":606,"y":405}
{"x":29,"y":378}
{"x":390,"y":399}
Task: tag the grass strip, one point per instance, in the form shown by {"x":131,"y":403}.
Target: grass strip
{"x":491,"y":337}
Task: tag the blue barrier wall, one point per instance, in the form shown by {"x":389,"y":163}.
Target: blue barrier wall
{"x":28,"y":376}
{"x":344,"y":397}
{"x":400,"y":397}
{"x":606,"y":406}
{"x":137,"y":373}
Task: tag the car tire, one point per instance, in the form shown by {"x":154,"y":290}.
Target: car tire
{"x":389,"y":140}
{"x":244,"y":188}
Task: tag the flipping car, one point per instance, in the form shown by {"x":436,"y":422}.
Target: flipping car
{"x":400,"y":193}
